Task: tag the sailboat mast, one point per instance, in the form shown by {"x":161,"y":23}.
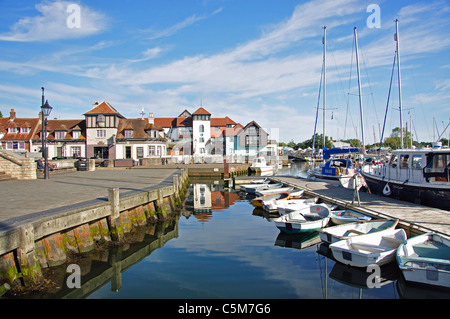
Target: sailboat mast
{"x":359,"y":91}
{"x":324,"y":78}
{"x":399,"y":83}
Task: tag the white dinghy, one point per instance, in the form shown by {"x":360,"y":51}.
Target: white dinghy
{"x":309,"y":218}
{"x":425,"y":259}
{"x":340,"y":232}
{"x":361,"y":251}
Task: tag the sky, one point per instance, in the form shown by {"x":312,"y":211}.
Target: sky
{"x":249,"y":60}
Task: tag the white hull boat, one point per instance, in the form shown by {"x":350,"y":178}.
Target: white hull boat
{"x":341,"y":232}
{"x":346,"y":216}
{"x":252,"y":188}
{"x":283,"y":206}
{"x":272,"y":191}
{"x":308,"y":219}
{"x":258,"y":201}
{"x":365,"y":250}
{"x":425,"y":259}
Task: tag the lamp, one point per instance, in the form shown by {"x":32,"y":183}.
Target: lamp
{"x":46,"y":110}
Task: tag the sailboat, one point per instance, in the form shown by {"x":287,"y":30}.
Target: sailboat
{"x":421,"y":176}
{"x":336,"y":168}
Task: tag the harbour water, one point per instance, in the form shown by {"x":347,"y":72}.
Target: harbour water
{"x":221,"y":247}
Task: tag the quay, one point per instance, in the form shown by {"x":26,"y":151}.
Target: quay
{"x":415,"y":219}
{"x":41,"y":221}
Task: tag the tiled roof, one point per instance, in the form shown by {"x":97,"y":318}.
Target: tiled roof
{"x":173,"y":121}
{"x":6,"y":123}
{"x":103,"y":108}
{"x":67,"y":126}
{"x":222,"y":121}
{"x":201,"y":111}
{"x":139,"y":127}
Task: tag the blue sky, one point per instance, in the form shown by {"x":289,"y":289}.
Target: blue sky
{"x":249,"y":59}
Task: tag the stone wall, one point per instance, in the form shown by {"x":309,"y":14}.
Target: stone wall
{"x":17,"y":166}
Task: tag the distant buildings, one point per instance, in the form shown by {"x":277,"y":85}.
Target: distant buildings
{"x":106,"y":134}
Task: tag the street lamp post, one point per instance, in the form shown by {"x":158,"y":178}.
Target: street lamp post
{"x":46,"y":110}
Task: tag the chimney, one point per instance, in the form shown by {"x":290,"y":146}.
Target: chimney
{"x":95,"y":104}
{"x":151,"y":119}
{"x":12,"y":114}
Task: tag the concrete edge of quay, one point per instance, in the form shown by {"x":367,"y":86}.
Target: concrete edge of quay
{"x":41,"y":240}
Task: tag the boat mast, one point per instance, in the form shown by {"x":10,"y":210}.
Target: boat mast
{"x":399,"y":82}
{"x":359,"y":91}
{"x":324,"y":78}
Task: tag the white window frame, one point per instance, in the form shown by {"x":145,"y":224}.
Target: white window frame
{"x":101,"y":133}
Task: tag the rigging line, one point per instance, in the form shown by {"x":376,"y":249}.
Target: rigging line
{"x":387,"y":104}
{"x":370,"y":86}
{"x":349,"y":85}
{"x":317,"y":114}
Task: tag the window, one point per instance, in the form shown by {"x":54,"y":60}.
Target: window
{"x":76,"y":134}
{"x":12,"y":130}
{"x":100,"y":118}
{"x":24,"y":130}
{"x":202,"y":128}
{"x":417,"y":161}
{"x":394,"y":160}
{"x":151,"y":150}
{"x":201,"y":140}
{"x":139,"y":152}
{"x":128,"y":133}
{"x":15,"y":145}
{"x":404,"y":159}
{"x":158,"y":151}
{"x":101,"y":133}
{"x":59,"y":135}
{"x":76,"y":151}
{"x":202,"y":150}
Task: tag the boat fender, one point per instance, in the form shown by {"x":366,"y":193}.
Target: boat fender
{"x":387,"y":190}
{"x":338,"y":171}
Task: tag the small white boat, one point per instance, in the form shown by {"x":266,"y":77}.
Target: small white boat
{"x":309,"y":218}
{"x":258,"y":201}
{"x":263,"y":192}
{"x":259,"y":166}
{"x":284,"y":206}
{"x":346,"y":216}
{"x":425,"y":259}
{"x":296,"y":193}
{"x":340,"y":232}
{"x":252,"y":188}
{"x":361,"y":251}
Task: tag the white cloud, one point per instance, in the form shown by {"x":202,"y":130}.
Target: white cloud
{"x":191,"y":20}
{"x":52,"y":23}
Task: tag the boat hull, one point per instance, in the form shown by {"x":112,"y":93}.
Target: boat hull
{"x":425,"y":259}
{"x":340,"y":217}
{"x":435,"y":196}
{"x":341,"y":232}
{"x":292,"y":224}
{"x":365,"y":250}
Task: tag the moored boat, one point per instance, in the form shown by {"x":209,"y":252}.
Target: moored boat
{"x":252,"y":188}
{"x":263,"y":192}
{"x":420,"y":176}
{"x":259,"y":166}
{"x":308,"y":219}
{"x":361,"y":251}
{"x":340,"y":232}
{"x":284,"y":206}
{"x":425,"y":259}
{"x":346,"y":216}
{"x":258,"y":201}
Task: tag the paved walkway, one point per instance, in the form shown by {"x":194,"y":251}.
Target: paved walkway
{"x":28,"y":199}
{"x":424,"y":217}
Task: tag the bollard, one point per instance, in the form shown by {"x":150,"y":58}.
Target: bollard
{"x":115,"y":225}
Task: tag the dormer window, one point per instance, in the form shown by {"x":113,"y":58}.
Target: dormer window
{"x":76,"y":134}
{"x":24,"y":130}
{"x":128,"y":133}
{"x":60,"y":135}
{"x":12,"y":130}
